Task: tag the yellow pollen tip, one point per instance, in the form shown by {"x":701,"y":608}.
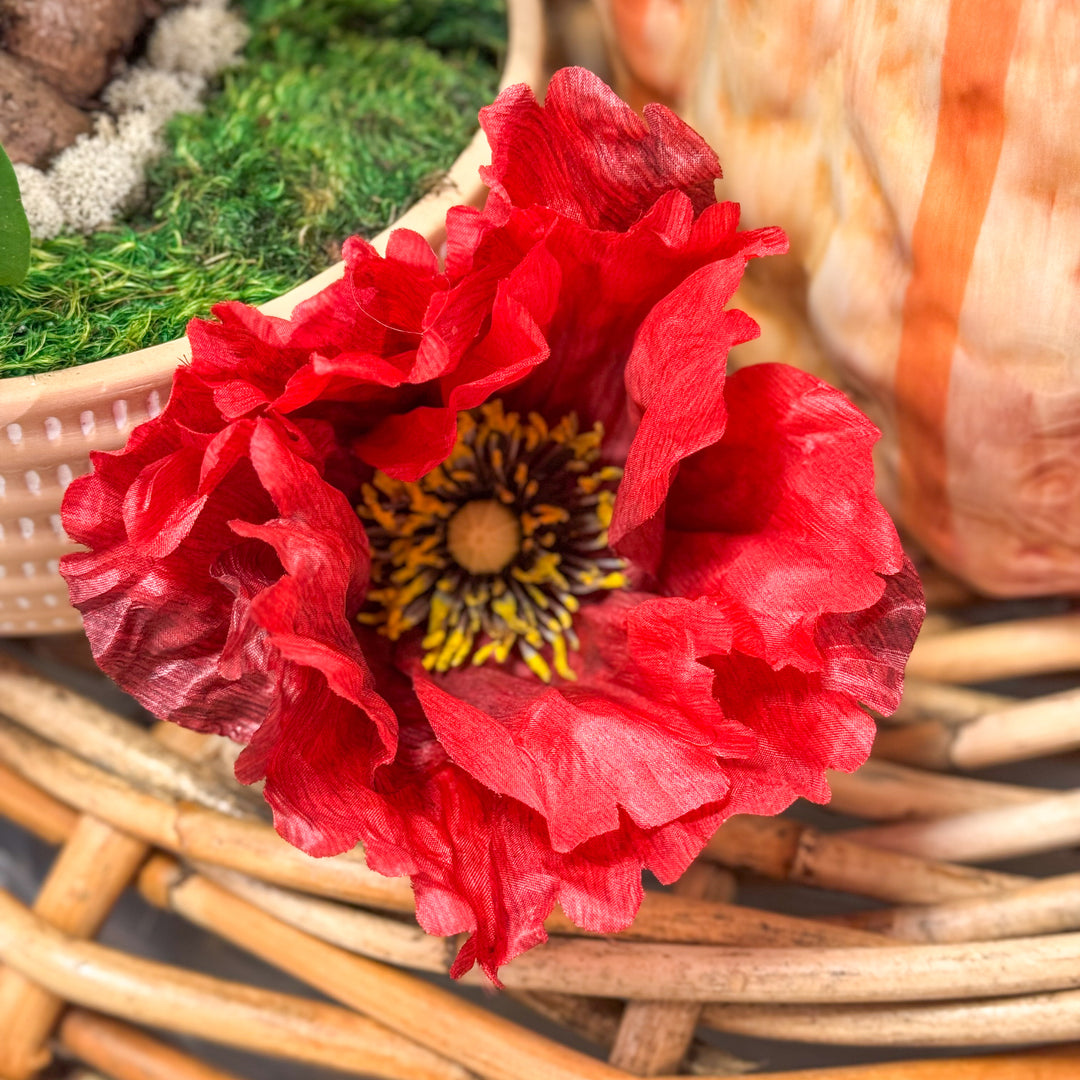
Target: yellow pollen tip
{"x":483,"y":537}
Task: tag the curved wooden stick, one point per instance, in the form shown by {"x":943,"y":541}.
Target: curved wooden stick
{"x":35,"y":810}
{"x":484,"y":1043}
{"x":925,"y":700}
{"x":162,"y":996}
{"x":1050,"y":906}
{"x":654,"y":1036}
{"x":1028,"y":1019}
{"x":193,"y":831}
{"x":999,"y":650}
{"x":983,"y":835}
{"x":125,"y":1053}
{"x":893,"y":1011}
{"x":1016,"y":732}
{"x":886,"y":791}
{"x":92,"y":870}
{"x":789,"y":851}
{"x":1041,"y":907}
{"x":689,"y":973}
{"x":1059,"y":1064}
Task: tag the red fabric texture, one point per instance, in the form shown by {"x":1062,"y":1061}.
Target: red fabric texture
{"x":769,"y":596}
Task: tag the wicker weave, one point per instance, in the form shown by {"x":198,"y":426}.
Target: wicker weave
{"x":954,"y":955}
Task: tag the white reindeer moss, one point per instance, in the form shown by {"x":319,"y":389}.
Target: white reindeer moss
{"x":42,"y":210}
{"x":157,"y":93}
{"x":91,"y":183}
{"x":201,"y":39}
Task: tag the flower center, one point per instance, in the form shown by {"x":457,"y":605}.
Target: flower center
{"x":492,"y":551}
{"x":483,"y":536}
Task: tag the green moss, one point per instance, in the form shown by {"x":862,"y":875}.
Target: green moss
{"x":336,"y":123}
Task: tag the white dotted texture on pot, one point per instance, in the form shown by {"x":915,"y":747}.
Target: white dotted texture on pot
{"x":48,"y":426}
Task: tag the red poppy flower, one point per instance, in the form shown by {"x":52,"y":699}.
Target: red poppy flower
{"x":489,"y":566}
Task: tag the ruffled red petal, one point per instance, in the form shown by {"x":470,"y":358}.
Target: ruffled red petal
{"x":608,"y":285}
{"x":483,"y":864}
{"x":675,"y":382}
{"x":365,"y":340}
{"x":408,"y":445}
{"x":158,"y":620}
{"x":226,"y":563}
{"x":779,"y":518}
{"x":259,"y":574}
{"x":323,"y":552}
{"x":625,"y":738}
{"x":588,"y":155}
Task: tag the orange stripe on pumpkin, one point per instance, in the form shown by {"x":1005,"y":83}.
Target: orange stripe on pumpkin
{"x":970,"y":130}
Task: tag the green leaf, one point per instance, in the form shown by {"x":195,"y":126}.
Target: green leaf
{"x":14,"y":230}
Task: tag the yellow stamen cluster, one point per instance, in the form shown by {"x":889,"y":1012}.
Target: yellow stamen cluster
{"x":491,"y":551}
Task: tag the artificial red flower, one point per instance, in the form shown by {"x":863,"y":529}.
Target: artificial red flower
{"x":490,"y":567}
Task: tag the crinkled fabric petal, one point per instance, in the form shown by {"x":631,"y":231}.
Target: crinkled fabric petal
{"x":638,"y":733}
{"x":588,"y":155}
{"x":675,"y":380}
{"x":246,"y":357}
{"x":352,"y":341}
{"x":409,"y":445}
{"x":324,"y":553}
{"x":865,"y":652}
{"x":478,"y":862}
{"x":483,"y":864}
{"x":329,"y":728}
{"x":609,"y":284}
{"x":779,"y":518}
{"x":317,"y":751}
{"x":802,"y":726}
{"x":157,"y":625}
{"x":164,"y":501}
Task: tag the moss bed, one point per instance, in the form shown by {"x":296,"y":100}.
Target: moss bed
{"x":345,"y":112}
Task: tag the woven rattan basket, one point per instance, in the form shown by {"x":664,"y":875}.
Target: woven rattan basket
{"x":50,"y":423}
{"x":952,"y":954}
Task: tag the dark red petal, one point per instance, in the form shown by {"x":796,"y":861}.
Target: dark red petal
{"x":158,"y":624}
{"x":803,"y":728}
{"x":163,"y":503}
{"x":589,"y":156}
{"x":483,"y":864}
{"x":865,"y":652}
{"x":375,"y":320}
{"x":409,"y":445}
{"x":610,"y":282}
{"x":317,"y":751}
{"x":243,"y":355}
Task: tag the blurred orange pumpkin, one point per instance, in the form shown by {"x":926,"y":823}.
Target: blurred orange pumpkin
{"x":925,"y":159}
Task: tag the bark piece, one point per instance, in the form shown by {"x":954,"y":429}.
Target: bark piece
{"x":35,"y":121}
{"x":72,"y":46}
